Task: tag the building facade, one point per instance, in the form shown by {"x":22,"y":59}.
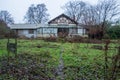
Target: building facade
{"x":59,"y":25}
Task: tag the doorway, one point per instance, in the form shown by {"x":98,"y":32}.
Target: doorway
{"x":63,"y":32}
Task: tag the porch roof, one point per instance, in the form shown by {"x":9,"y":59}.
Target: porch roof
{"x":36,"y":26}
{"x":24,"y":26}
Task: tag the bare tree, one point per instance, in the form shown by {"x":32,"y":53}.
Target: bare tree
{"x":30,"y":15}
{"x":89,"y":16}
{"x":3,"y":28}
{"x":6,"y":17}
{"x":42,"y":15}
{"x":101,"y":14}
{"x":107,"y":10}
{"x":37,"y":14}
{"x":75,"y":9}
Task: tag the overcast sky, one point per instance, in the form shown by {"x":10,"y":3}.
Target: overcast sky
{"x":18,"y":8}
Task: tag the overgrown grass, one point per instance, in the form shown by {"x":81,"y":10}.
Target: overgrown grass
{"x":80,"y":60}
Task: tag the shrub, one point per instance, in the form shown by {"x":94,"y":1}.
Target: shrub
{"x":114,"y":32}
{"x":51,"y":38}
{"x":75,"y":38}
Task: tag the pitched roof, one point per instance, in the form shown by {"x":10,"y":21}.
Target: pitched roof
{"x":63,"y":15}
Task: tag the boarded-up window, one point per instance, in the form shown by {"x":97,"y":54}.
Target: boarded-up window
{"x":31,"y":31}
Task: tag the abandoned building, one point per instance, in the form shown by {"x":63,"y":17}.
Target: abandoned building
{"x":61,"y":24}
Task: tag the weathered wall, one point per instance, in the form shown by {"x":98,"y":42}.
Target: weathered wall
{"x":26,"y":33}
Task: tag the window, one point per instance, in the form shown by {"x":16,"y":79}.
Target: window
{"x":31,"y":31}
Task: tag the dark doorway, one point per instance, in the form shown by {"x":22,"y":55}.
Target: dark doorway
{"x":63,"y":32}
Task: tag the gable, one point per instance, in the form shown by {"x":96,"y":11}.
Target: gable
{"x":62,"y":19}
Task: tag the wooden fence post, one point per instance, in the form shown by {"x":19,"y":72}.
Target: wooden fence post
{"x":106,"y":60}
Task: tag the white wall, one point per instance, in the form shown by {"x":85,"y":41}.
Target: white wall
{"x":26,"y":33}
{"x":81,"y":31}
{"x":47,"y":32}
